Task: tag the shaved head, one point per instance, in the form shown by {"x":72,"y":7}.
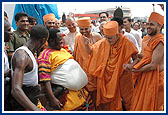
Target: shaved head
{"x":69,"y":19}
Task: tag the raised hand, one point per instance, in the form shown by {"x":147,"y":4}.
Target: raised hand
{"x":86,"y":40}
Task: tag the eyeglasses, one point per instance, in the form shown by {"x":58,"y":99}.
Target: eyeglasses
{"x":103,"y":17}
{"x":57,"y":23}
{"x":50,"y":22}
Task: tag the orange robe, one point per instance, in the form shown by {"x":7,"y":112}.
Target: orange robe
{"x":149,"y":89}
{"x":82,"y":57}
{"x":108,"y":69}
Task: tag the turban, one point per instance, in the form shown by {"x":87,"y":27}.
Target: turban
{"x":110,"y":28}
{"x":157,"y":18}
{"x":84,"y":22}
{"x":48,"y":17}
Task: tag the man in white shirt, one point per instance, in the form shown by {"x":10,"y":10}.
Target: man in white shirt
{"x":129,"y":36}
{"x":136,"y":27}
{"x":132,"y":38}
{"x":71,"y":32}
{"x":127,"y":27}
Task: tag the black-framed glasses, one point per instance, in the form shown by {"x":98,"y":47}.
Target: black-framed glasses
{"x":50,"y":22}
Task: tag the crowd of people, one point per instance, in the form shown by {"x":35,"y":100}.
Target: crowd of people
{"x":112,"y":65}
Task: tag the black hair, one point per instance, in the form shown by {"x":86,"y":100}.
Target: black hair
{"x":118,"y":19}
{"x":93,"y":21}
{"x":19,"y":15}
{"x":32,"y":19}
{"x":5,"y":14}
{"x":53,"y":35}
{"x":104,"y":13}
{"x":128,"y":18}
{"x":144,"y":22}
{"x":136,"y":23}
{"x":39,"y":32}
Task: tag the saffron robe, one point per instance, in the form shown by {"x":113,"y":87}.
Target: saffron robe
{"x":149,"y":89}
{"x":106,"y":64}
{"x":82,"y":57}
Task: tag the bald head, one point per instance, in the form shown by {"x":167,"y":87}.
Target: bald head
{"x":70,"y":24}
{"x":69,"y":19}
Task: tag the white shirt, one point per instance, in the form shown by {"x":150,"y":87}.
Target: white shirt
{"x":70,"y":38}
{"x":30,"y":78}
{"x":132,"y":39}
{"x":137,"y":37}
{"x":6,"y":62}
{"x":95,"y":29}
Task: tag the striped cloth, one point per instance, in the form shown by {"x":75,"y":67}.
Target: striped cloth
{"x":48,"y":60}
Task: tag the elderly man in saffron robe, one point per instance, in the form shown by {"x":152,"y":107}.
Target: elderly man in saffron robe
{"x":107,"y":57}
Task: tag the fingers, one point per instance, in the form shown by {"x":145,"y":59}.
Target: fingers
{"x":134,"y":70}
{"x":86,"y":40}
{"x":124,"y":66}
{"x":127,"y":67}
{"x":59,"y":105}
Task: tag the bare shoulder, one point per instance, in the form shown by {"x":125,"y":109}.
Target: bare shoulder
{"x":96,"y":36}
{"x":20,"y":59}
{"x":159,"y":47}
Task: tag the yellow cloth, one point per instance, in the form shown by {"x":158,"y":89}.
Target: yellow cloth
{"x":74,"y":100}
{"x":48,"y":60}
{"x":40,"y":106}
